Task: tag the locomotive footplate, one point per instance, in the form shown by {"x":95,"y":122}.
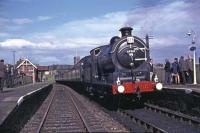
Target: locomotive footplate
{"x":134,"y":88}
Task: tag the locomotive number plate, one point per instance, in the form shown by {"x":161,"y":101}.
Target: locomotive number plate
{"x":130,"y":39}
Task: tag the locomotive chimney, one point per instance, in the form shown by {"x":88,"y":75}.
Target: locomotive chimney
{"x":126,"y":31}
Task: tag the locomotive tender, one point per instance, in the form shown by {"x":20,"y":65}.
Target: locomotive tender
{"x":120,"y":68}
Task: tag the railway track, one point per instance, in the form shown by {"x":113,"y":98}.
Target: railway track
{"x":156,"y":119}
{"x":173,"y":114}
{"x":183,"y":100}
{"x":64,"y":113}
{"x":77,"y":121}
{"x":148,"y":126}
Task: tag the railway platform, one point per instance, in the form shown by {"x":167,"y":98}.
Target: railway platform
{"x":9,"y":98}
{"x":195,"y":88}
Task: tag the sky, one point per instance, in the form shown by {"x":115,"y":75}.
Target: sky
{"x":54,"y":31}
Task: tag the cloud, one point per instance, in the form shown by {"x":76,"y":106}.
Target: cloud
{"x":15,"y":43}
{"x":165,"y":41}
{"x":160,"y":16}
{"x":69,"y":43}
{"x":4,"y":34}
{"x":88,"y":33}
{"x":22,"y":43}
{"x":3,"y":21}
{"x":47,"y":59}
{"x":21,"y":21}
{"x":105,"y":25}
{"x":44,"y":18}
{"x":168,"y":23}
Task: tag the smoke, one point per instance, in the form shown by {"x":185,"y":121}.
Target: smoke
{"x":141,"y":19}
{"x":158,"y":14}
{"x":168,"y":22}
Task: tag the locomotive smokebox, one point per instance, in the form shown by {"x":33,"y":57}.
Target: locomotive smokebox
{"x":126,"y":31}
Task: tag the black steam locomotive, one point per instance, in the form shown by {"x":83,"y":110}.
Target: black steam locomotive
{"x":120,"y":68}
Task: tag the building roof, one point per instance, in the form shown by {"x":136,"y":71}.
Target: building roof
{"x":26,"y":60}
{"x":60,"y":67}
{"x":42,"y":68}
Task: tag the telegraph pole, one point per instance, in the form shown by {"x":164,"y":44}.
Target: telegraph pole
{"x":14,"y":58}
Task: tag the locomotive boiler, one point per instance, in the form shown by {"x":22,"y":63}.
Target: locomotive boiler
{"x":127,"y":52}
{"x":122,"y":67}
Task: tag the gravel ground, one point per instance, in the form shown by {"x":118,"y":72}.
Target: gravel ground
{"x":33,"y":124}
{"x":108,"y":122}
{"x":168,"y":124}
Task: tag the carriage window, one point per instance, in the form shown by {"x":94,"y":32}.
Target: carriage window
{"x":97,"y":51}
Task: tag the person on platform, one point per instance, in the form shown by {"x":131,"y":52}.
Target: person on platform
{"x":8,"y":75}
{"x":2,"y":74}
{"x":183,"y":69}
{"x":175,"y":71}
{"x":189,"y":63}
{"x":167,"y":72}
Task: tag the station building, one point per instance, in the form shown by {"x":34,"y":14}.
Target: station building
{"x":27,"y":68}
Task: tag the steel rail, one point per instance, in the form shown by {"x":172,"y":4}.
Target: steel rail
{"x":173,"y":114}
{"x":45,"y":115}
{"x":81,"y":115}
{"x":146,"y":125}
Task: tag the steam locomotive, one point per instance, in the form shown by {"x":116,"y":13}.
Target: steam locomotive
{"x":120,"y":68}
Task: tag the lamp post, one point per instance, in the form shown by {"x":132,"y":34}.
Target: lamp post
{"x":193,"y":49}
